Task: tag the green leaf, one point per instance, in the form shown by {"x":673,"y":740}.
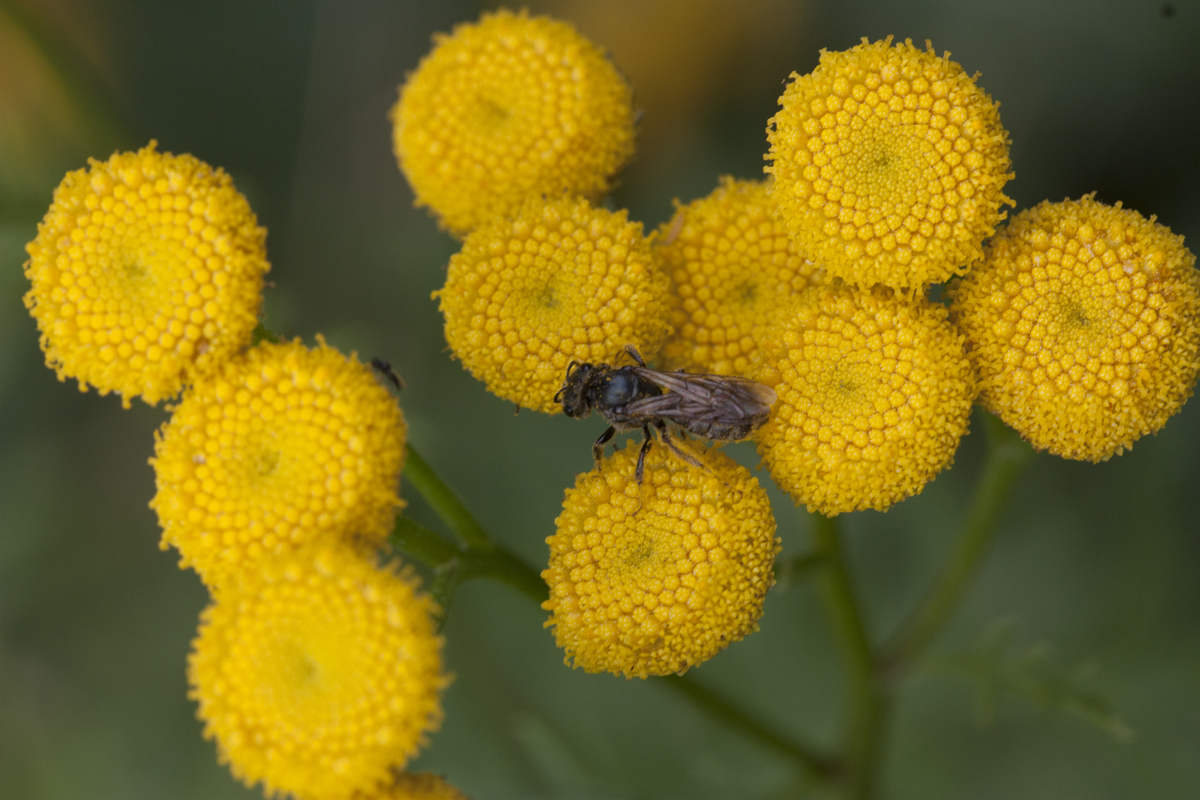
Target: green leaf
{"x":999,"y":667}
{"x":261,"y":333}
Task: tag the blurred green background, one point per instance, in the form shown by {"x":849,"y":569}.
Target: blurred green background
{"x":1096,"y":568}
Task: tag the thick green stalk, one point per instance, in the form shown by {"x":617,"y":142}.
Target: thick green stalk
{"x":444,"y":502}
{"x":499,"y":564}
{"x":422,"y":544}
{"x":1006,"y":458}
{"x":791,"y":570}
{"x":454,"y":564}
{"x":868,"y":702}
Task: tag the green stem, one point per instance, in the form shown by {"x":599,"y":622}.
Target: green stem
{"x":816,"y":764}
{"x":479,"y":556}
{"x":790,"y":570}
{"x":1006,"y":458}
{"x":422,"y":544}
{"x":505,"y":567}
{"x":454,"y":564}
{"x":868,"y":702}
{"x":444,"y":502}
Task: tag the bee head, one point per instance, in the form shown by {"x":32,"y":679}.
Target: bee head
{"x":575,"y":392}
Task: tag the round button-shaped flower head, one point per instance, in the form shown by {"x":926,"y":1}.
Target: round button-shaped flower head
{"x":147,"y":271}
{"x":279,"y":448}
{"x":652,"y":579}
{"x":889,"y":164}
{"x":731,"y":263}
{"x":562,"y":281}
{"x":875,"y":391}
{"x":507,"y":109}
{"x":1084,"y":325}
{"x":318,"y":673}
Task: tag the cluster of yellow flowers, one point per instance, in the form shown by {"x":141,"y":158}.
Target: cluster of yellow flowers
{"x":650,"y":577}
{"x":318,"y":672}
{"x":1078,"y":324}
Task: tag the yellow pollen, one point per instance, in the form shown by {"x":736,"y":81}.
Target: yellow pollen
{"x":416,"y":786}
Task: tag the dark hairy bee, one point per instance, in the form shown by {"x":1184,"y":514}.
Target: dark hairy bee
{"x":716,"y":407}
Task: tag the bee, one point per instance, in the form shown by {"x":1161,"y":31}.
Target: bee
{"x":716,"y":407}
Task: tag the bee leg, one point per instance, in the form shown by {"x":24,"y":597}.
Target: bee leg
{"x":635,"y":355}
{"x":384,"y":370}
{"x":640,"y":472}
{"x":678,"y":451}
{"x":598,"y":447}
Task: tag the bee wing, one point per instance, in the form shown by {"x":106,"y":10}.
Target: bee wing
{"x":722,"y":400}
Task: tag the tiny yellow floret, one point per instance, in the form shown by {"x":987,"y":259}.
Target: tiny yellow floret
{"x":507,"y":109}
{"x":279,"y":448}
{"x":655,"y":578}
{"x":147,"y":271}
{"x":875,"y":391}
{"x":731,"y":263}
{"x":318,"y":673}
{"x":889,"y":165}
{"x":415,"y":786}
{"x":1084,"y":326}
{"x":562,"y":281}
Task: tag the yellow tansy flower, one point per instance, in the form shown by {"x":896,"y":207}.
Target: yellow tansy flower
{"x":507,"y":109}
{"x":731,"y":263}
{"x":278,"y":448}
{"x":147,"y":270}
{"x":1084,"y":325}
{"x":889,"y":164}
{"x":318,"y":673}
{"x":874,"y":392}
{"x":652,"y":579}
{"x":416,"y":786}
{"x":562,"y":281}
